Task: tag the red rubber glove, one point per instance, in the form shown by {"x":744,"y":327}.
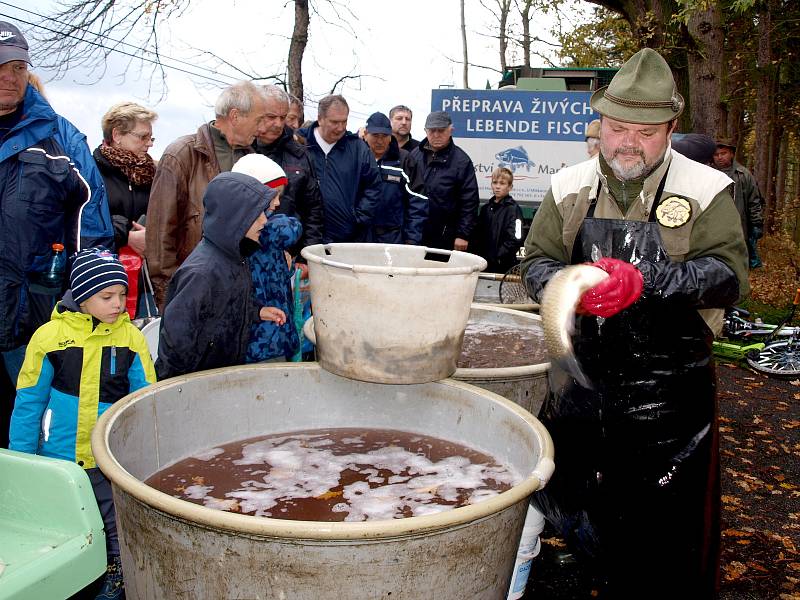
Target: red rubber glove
{"x":615,"y":293}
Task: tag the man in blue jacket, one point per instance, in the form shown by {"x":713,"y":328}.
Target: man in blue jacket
{"x":50,"y":193}
{"x":348,"y":175}
{"x":450,"y":185}
{"x":400,"y":216}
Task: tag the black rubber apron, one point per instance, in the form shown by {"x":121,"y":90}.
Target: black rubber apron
{"x":636,"y":487}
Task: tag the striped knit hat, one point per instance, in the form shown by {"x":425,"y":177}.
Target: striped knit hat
{"x":93,"y":270}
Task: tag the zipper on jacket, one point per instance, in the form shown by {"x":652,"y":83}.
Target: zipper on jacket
{"x":113,"y":360}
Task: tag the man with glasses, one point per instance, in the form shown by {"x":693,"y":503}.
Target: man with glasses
{"x":175,"y":212}
{"x":51,"y":194}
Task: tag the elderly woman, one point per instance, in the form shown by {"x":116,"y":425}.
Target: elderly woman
{"x":127,"y":169}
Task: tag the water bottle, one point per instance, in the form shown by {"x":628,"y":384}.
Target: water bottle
{"x":529,"y":547}
{"x":53,"y":276}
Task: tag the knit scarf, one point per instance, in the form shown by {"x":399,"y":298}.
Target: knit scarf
{"x":138,"y":168}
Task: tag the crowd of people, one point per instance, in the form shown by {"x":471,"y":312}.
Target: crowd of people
{"x":209,"y":238}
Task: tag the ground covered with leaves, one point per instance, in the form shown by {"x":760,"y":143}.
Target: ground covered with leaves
{"x":760,"y":462}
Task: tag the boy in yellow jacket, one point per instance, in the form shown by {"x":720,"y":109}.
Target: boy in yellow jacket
{"x":88,"y":356}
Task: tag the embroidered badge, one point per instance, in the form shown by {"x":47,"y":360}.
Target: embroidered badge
{"x":674,"y":212}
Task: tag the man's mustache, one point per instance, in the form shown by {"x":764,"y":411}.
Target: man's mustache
{"x":631,"y":151}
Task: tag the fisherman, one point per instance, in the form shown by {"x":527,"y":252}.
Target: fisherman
{"x":636,"y":488}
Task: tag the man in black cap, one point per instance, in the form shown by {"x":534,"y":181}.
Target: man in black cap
{"x":400,"y":215}
{"x":51,"y":194}
{"x":450,"y":185}
{"x":746,"y":197}
{"x":636,"y":487}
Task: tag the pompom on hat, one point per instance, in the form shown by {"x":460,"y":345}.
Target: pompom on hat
{"x":93,"y":270}
{"x":266,"y":170}
{"x":643,"y":92}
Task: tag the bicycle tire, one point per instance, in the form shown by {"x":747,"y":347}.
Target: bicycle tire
{"x":512,"y":289}
{"x":778,"y":359}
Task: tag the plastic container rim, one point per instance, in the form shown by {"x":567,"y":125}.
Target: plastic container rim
{"x":520,"y":372}
{"x":480,"y":263}
{"x":313,"y":530}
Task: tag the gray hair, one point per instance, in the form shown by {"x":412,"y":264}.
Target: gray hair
{"x":239,"y":96}
{"x":274,"y":92}
{"x":328,"y":101}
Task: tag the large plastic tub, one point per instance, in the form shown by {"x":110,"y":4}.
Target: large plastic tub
{"x":390,"y":313}
{"x":525,"y":385}
{"x":176,"y":549}
{"x":52,"y":542}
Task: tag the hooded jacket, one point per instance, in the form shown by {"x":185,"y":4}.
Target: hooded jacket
{"x":452,"y":191}
{"x":350,"y":184}
{"x":273,"y":287}
{"x":498,"y":234}
{"x":301,"y":197}
{"x":50,"y":192}
{"x":127,"y":202}
{"x":75,"y":368}
{"x":401,"y":213}
{"x":210,"y":305}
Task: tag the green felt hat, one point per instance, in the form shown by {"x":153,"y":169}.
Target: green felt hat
{"x":643,"y":91}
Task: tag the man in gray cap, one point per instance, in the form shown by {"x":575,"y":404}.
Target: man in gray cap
{"x":52,"y":197}
{"x":450,"y":185}
{"x":746,"y":196}
{"x":636,"y":488}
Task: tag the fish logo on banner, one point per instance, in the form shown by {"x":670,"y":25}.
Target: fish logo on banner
{"x":514,"y":158}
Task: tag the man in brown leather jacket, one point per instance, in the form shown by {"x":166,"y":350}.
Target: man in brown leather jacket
{"x":175,"y":211}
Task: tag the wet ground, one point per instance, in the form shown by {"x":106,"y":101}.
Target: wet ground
{"x":760,"y":461}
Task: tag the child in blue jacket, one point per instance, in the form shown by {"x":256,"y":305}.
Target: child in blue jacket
{"x":271,"y":267}
{"x":88,"y":356}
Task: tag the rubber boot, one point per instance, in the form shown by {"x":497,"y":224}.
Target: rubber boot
{"x":113,"y":585}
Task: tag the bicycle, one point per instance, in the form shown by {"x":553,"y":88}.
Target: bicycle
{"x":770,"y":349}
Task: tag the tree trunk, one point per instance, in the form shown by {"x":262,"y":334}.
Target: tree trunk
{"x":464,"y":45}
{"x":504,"y":6}
{"x":297,"y":47}
{"x":706,"y":69}
{"x":525,"y":13}
{"x":780,"y":178}
{"x":764,"y":100}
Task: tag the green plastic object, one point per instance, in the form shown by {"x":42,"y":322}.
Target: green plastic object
{"x":52,"y":542}
{"x":735,"y":351}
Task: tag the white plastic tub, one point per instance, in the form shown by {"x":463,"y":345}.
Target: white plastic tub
{"x":390,"y":313}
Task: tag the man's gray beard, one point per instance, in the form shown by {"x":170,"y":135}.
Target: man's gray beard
{"x":636,"y":171}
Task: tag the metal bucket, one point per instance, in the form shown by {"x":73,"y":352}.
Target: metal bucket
{"x":390,"y":313}
{"x":176,"y":549}
{"x":525,"y":385}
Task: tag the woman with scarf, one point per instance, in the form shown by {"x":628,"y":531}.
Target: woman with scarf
{"x":128,"y":171}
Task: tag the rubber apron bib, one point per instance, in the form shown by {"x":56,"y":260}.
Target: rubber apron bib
{"x":636,"y":485}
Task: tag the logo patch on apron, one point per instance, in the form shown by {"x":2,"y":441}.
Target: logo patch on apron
{"x":674,"y":212}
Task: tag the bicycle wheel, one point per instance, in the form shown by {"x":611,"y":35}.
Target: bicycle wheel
{"x":512,"y":288}
{"x":779,"y":359}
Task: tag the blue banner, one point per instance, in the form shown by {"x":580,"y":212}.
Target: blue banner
{"x":516,"y":114}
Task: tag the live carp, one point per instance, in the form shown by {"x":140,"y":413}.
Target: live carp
{"x":559,"y":300}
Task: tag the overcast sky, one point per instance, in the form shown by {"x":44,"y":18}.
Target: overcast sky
{"x":402,"y":50}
